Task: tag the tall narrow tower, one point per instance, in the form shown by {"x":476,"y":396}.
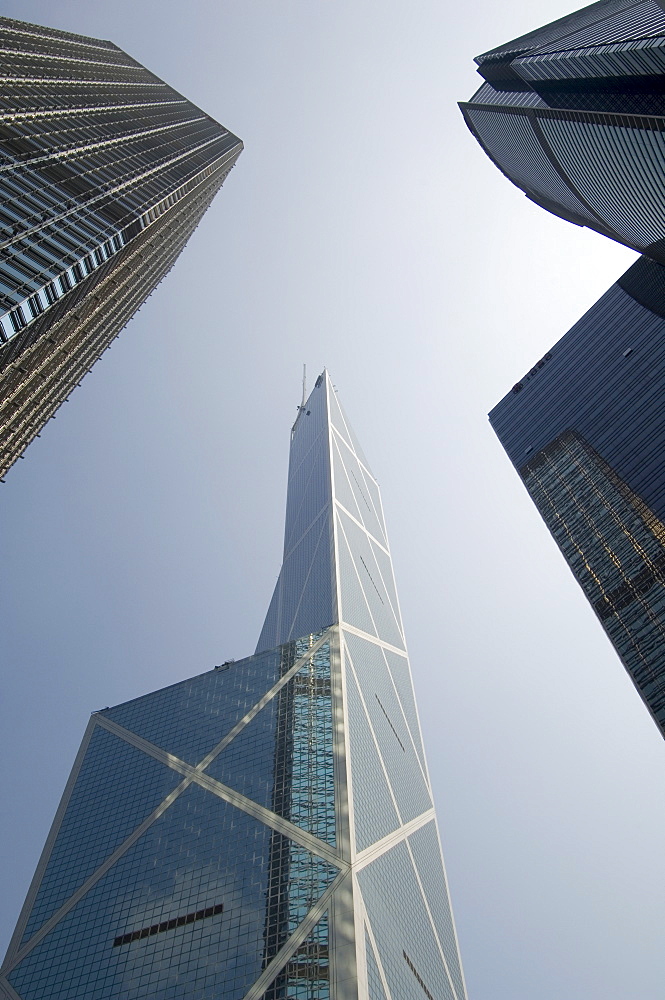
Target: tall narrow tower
{"x":264,"y":831}
{"x":105,"y":172}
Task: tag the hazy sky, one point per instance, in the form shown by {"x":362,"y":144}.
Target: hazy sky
{"x":362,"y":229}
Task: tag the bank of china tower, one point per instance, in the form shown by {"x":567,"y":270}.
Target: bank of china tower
{"x":264,"y":830}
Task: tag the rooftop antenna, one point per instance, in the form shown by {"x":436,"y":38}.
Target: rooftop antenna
{"x":301,"y":408}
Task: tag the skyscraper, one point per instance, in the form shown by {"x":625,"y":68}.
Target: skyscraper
{"x":264,"y":831}
{"x":585,"y":429}
{"x":106,"y":172}
{"x":574,"y":115}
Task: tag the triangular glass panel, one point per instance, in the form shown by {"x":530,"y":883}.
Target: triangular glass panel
{"x":343,"y":492}
{"x":306,"y":976}
{"x":341,"y":423}
{"x":337,"y":418}
{"x":354,"y":610}
{"x":374,"y":985}
{"x":196,"y":899}
{"x":401,"y":675}
{"x":358,"y":484}
{"x":374,"y":495}
{"x":373,"y":808}
{"x":392,"y":735}
{"x":188,"y":719}
{"x":371,"y":582}
{"x":283,"y":758}
{"x":306,"y":600}
{"x":415,"y":967}
{"x":427,"y":856}
{"x":117,"y":788}
{"x":385,"y":566}
{"x":357,"y":447}
{"x":310,"y":492}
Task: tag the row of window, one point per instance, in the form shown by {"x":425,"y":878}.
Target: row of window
{"x":79,"y":126}
{"x":22,"y":30}
{"x":86,"y":233}
{"x":54,"y":95}
{"x":24,"y":44}
{"x":68,"y":65}
{"x":168,"y":925}
{"x":104,"y":326}
{"x":34,"y":305}
{"x":45,"y":106}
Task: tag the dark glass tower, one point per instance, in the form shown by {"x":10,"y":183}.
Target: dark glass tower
{"x":264,"y":831}
{"x":105,"y":173}
{"x":585,"y":428}
{"x":574,"y":115}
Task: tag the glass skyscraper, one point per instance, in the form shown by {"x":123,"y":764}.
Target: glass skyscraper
{"x":574,"y":114}
{"x":585,"y":428}
{"x":106,"y":171}
{"x":264,"y":831}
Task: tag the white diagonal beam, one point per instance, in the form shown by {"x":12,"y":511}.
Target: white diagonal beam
{"x":386,"y":843}
{"x":230,"y":795}
{"x":50,"y":841}
{"x":95,"y":877}
{"x":190,"y":774}
{"x":300,"y":935}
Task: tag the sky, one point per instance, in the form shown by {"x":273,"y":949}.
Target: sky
{"x":364,"y":230}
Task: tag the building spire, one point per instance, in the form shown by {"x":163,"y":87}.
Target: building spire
{"x":336,"y":564}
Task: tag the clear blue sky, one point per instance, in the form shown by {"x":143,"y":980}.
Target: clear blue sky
{"x":364,"y":230}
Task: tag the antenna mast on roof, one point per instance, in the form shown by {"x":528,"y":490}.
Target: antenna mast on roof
{"x":301,"y":408}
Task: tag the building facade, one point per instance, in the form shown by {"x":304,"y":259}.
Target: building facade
{"x":264,"y":831}
{"x":106,"y":171}
{"x":585,"y":429}
{"x":574,"y":115}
